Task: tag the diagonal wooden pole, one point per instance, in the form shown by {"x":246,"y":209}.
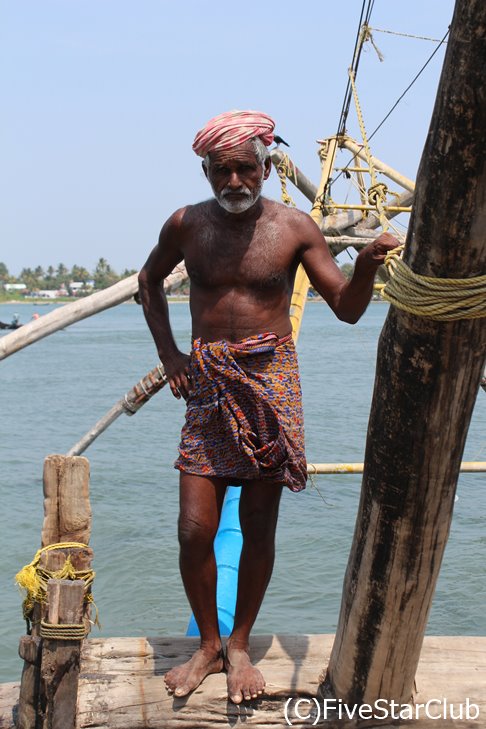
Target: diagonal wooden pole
{"x":63,"y":316}
{"x":427,"y":379}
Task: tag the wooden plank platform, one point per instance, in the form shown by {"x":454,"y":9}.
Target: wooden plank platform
{"x":121,"y":684}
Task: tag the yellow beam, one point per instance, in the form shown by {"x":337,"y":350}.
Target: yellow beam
{"x":327,"y":154}
{"x":320,"y":468}
{"x":390,"y":208}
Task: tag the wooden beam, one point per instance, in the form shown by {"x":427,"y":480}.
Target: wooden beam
{"x":358,"y":151}
{"x":67,"y":518}
{"x":80,"y":309}
{"x":135,"y":398}
{"x":418,"y":422}
{"x":61,"y":658}
{"x":67,"y":509}
{"x":28,"y":695}
{"x":303,"y":183}
{"x":122,"y":686}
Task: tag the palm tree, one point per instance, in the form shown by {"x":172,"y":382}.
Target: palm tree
{"x":4,"y":275}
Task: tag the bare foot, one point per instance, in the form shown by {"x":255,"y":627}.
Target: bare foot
{"x":244,"y":680}
{"x":183,"y":679}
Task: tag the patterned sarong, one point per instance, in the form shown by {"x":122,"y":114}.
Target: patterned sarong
{"x":244,"y":414}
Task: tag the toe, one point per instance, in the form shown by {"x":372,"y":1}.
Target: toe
{"x":246,"y":694}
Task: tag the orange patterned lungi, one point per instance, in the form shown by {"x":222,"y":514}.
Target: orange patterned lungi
{"x":244,"y":415}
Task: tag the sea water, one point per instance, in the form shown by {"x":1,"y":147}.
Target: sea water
{"x":54,"y":391}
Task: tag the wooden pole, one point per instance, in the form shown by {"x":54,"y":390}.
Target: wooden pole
{"x":61,"y":658}
{"x":67,"y":518}
{"x":418,"y":422}
{"x":80,"y":309}
{"x":358,"y":151}
{"x":30,"y":653}
{"x":301,"y":182}
{"x":67,"y":509}
{"x":141,"y":393}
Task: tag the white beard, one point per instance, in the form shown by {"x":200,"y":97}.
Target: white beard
{"x":244,"y":203}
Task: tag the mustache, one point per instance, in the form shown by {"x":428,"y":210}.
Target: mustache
{"x":243,"y":190}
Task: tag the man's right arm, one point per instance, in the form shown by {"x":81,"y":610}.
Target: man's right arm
{"x":160,"y":263}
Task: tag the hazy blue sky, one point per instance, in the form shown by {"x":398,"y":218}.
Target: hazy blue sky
{"x":101,"y":100}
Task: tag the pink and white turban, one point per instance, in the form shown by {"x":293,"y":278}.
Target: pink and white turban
{"x":232,"y":129}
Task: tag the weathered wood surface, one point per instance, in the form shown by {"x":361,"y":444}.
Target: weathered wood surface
{"x":67,"y":515}
{"x":418,"y":422}
{"x":67,"y":510}
{"x":67,"y":518}
{"x":121,"y":684}
{"x":28,"y":692}
{"x":302,"y":183}
{"x":61,"y":658}
{"x":9,"y":694}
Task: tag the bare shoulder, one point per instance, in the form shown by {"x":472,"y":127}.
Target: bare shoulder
{"x":296,"y":222}
{"x":175,"y":222}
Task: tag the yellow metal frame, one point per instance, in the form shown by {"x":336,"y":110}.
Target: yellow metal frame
{"x":391,"y":208}
{"x":327,"y":154}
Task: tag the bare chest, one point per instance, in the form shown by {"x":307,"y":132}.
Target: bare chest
{"x":262,"y":260}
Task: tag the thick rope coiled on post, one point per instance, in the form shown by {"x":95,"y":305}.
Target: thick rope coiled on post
{"x":33,"y":578}
{"x":440,"y":299}
{"x":64,"y":631}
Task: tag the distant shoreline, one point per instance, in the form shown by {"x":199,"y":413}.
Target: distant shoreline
{"x":170,"y":299}
{"x":50,"y":302}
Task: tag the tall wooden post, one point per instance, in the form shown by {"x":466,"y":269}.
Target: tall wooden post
{"x":67,"y":518}
{"x":427,"y":380}
{"x":61,"y":658}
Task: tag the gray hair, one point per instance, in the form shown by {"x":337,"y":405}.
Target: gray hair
{"x":260,"y":149}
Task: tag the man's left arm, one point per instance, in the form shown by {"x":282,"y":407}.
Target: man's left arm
{"x":347,"y":298}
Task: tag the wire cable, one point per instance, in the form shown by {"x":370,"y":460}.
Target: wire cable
{"x":409,"y":86}
{"x":396,"y":102}
{"x":358,"y":46}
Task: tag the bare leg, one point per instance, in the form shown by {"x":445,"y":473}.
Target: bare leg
{"x":201,"y":500}
{"x":258,"y":517}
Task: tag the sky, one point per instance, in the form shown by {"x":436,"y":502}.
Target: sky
{"x":101,"y":100}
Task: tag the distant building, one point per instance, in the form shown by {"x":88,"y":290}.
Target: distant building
{"x":75,"y":286}
{"x":46,"y":294}
{"x":15,"y":287}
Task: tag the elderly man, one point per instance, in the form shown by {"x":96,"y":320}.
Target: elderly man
{"x":244,"y":416}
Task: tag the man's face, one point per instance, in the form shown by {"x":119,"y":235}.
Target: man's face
{"x":236,"y":177}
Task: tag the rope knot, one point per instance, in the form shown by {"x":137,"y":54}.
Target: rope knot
{"x":377,"y":193}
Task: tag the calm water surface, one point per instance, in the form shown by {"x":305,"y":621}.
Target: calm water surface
{"x":55,"y":390}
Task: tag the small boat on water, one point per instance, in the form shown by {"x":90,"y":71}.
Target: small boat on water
{"x":14,"y":324}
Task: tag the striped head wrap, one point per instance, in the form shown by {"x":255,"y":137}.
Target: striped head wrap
{"x":232,"y":129}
